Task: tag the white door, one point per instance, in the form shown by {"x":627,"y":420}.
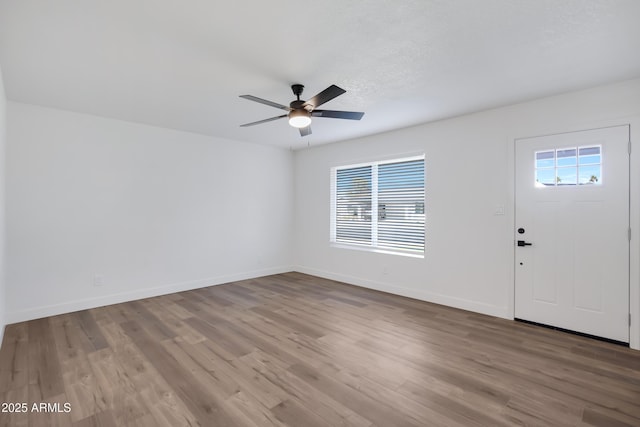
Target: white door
{"x":572,"y":231}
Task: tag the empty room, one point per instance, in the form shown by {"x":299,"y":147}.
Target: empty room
{"x":331,"y":213}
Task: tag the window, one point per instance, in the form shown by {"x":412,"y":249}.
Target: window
{"x":569,"y":166}
{"x":379,"y":205}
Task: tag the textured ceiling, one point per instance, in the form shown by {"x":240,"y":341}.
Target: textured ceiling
{"x":183,"y":64}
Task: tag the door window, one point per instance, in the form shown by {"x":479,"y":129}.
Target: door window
{"x":568,"y":166}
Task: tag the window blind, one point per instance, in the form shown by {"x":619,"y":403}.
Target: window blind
{"x":380,"y":205}
{"x":353,"y":205}
{"x":401,"y":205}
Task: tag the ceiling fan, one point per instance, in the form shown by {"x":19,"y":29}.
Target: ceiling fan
{"x":300,"y":112}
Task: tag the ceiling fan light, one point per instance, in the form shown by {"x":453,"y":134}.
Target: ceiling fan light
{"x":299,"y":118}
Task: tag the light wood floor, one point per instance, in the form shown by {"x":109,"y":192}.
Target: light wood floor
{"x":296,"y":350}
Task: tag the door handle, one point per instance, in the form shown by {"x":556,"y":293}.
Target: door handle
{"x":523,"y":243}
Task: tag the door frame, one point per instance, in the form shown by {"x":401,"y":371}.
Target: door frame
{"x":634,"y":211}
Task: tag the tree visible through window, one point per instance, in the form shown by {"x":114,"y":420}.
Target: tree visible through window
{"x":380,"y":205}
{"x":568,"y":166}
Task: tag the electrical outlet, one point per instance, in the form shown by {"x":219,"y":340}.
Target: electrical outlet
{"x":98,"y":280}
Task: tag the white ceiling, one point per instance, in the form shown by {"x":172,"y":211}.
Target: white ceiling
{"x":183,"y":64}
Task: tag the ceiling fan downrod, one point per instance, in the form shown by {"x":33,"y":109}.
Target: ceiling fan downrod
{"x":297,"y":90}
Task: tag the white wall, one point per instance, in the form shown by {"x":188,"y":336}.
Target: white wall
{"x":469,"y":254}
{"x":155,"y":211}
{"x":3,"y":139}
{"x":149,"y":210}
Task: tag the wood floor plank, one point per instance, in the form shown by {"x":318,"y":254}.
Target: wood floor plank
{"x":15,"y":418}
{"x":172,"y":307}
{"x":374,"y":410}
{"x":602,"y":417}
{"x":119,"y":390}
{"x":249,"y":412}
{"x":44,"y":368}
{"x":290,"y":321}
{"x":290,"y":413}
{"x":156,"y":328}
{"x":86,"y":396}
{"x":167,"y":316}
{"x":292,"y":350}
{"x":101,"y":419}
{"x":50,"y":413}
{"x":240,"y":300}
{"x":335,"y":412}
{"x":447,"y":401}
{"x":223,"y":342}
{"x":200,"y":402}
{"x":69,"y":339}
{"x":167,"y":410}
{"x":429,"y":409}
{"x":90,"y":328}
{"x":212,"y":297}
{"x":14,"y":359}
{"x":204,"y":365}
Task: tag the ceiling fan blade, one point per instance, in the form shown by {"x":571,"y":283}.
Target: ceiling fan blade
{"x":349,"y":115}
{"x":305,"y":131}
{"x":265,"y":102}
{"x":326,"y":95}
{"x":263,"y":121}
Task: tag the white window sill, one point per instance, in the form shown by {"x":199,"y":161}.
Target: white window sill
{"x":376,"y":250}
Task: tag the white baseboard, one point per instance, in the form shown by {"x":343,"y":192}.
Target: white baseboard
{"x":87,"y":303}
{"x":464,"y":304}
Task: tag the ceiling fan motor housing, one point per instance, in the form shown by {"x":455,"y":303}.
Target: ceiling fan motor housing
{"x":297,"y":89}
{"x":297,"y":105}
{"x":299,"y":116}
